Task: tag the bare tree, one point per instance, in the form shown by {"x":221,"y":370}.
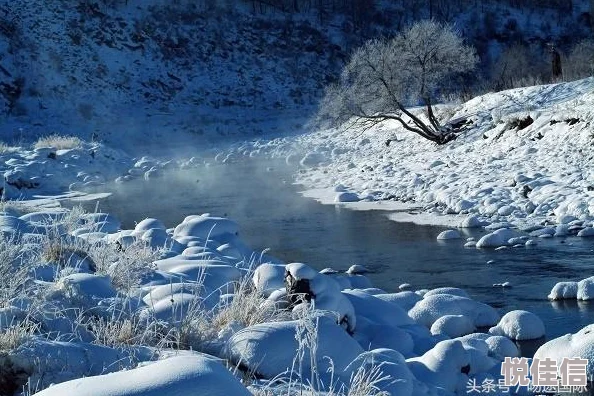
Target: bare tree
{"x":580,"y":63}
{"x":385,"y":75}
{"x":519,"y":66}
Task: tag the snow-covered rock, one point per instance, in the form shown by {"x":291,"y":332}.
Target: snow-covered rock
{"x":442,"y":366}
{"x":175,"y":376}
{"x":270,"y":349}
{"x":432,"y":307}
{"x":449,"y":234}
{"x":397,"y":379}
{"x":585,"y":289}
{"x":205,"y":227}
{"x":453,"y":326}
{"x":580,"y":344}
{"x":564,"y":290}
{"x":519,"y":325}
{"x":346,"y":196}
{"x":269,"y":277}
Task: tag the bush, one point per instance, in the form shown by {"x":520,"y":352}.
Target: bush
{"x":59,"y":142}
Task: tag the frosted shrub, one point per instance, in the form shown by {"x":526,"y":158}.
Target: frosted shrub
{"x":126,"y":266}
{"x":59,"y":142}
{"x":14,"y":270}
{"x":17,"y":334}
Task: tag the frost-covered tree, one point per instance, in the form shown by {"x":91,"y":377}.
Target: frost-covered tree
{"x":580,"y":63}
{"x":384,"y":76}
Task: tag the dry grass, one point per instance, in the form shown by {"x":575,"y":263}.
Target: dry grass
{"x":6,"y":149}
{"x":123,"y":332}
{"x":16,"y":335}
{"x":247,"y":309}
{"x":14,"y":270}
{"x":59,"y":142}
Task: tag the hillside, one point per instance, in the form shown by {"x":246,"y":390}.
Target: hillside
{"x":523,"y":159}
{"x":130,"y":71}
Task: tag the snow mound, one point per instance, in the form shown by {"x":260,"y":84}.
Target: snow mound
{"x":370,"y":335}
{"x":377,"y":310}
{"x":454,"y":291}
{"x":304,"y":283}
{"x":86,"y":286}
{"x":452,"y":326}
{"x":312,"y":159}
{"x":433,"y":307}
{"x":449,"y":234}
{"x":357,"y":269}
{"x":442,"y":366}
{"x":346,"y":196}
{"x":495,"y":239}
{"x":585,"y":289}
{"x":269,"y":277}
{"x":471,"y":222}
{"x":205,"y":227}
{"x":519,"y":325}
{"x":270,"y":349}
{"x":175,"y":376}
{"x":580,"y":344}
{"x":564,"y":290}
{"x":405,"y":299}
{"x":148,"y":224}
{"x":397,"y":379}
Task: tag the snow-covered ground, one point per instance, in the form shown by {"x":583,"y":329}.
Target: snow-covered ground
{"x":523,"y":161}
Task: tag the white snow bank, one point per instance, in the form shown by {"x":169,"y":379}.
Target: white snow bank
{"x":519,"y":325}
{"x":175,"y":376}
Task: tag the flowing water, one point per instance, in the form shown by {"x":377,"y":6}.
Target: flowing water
{"x":262,"y":199}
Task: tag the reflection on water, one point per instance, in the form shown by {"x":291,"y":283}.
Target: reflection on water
{"x":271,"y":214}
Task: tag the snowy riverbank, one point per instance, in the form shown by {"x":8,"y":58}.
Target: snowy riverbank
{"x":82,"y":297}
{"x":523,"y":161}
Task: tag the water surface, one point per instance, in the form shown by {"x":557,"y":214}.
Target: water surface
{"x":262,"y":199}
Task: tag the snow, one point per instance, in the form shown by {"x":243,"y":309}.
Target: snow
{"x":431,"y":308}
{"x":519,"y":325}
{"x":405,"y":299}
{"x":442,"y":365}
{"x":489,"y":174}
{"x":399,"y":380}
{"x":357,"y":269}
{"x":268,"y":349}
{"x":564,"y":290}
{"x":507,"y":185}
{"x":269,"y":277}
{"x":346,"y":197}
{"x":452,"y":326}
{"x":585,"y":289}
{"x":449,"y":234}
{"x":580,"y":344}
{"x":174,"y":376}
{"x":205,"y":227}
